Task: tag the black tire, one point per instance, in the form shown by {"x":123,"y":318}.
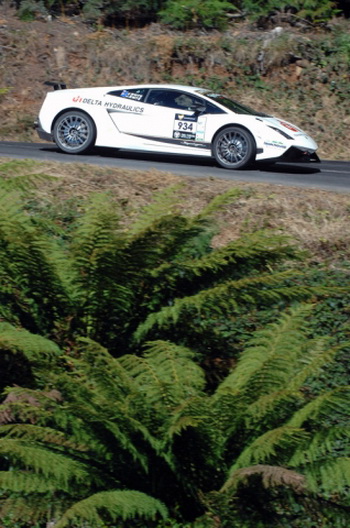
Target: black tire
{"x":234,"y":148}
{"x":74,"y":132}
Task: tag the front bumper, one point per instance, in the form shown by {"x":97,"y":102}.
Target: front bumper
{"x":296,"y":155}
{"x":46,"y":136}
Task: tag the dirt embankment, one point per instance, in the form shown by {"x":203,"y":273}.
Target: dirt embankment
{"x":280,"y":71}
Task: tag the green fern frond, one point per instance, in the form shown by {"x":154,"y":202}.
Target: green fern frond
{"x":252,"y":249}
{"x":97,"y":227}
{"x":331,"y":403}
{"x":220,"y":201}
{"x":106,"y":393}
{"x":29,"y":280}
{"x":272,"y":356}
{"x":98,"y":258}
{"x":270,"y":405}
{"x":63,"y":470}
{"x":271,"y":476}
{"x":105,"y":418}
{"x":264,"y":448}
{"x":261,"y":248}
{"x":23,"y":481}
{"x":109,"y":375}
{"x":95,"y":239}
{"x":164,"y":203}
{"x":42,"y":435}
{"x":194,"y":410}
{"x":49,"y":415}
{"x":184,"y":422}
{"x":225,"y":298}
{"x":39,"y":351}
{"x":324,"y":444}
{"x":330,"y":477}
{"x":195,"y":417}
{"x":11,"y":217}
{"x":167,"y":371}
{"x":111,"y":506}
{"x":160,"y":249}
{"x":317,"y":355}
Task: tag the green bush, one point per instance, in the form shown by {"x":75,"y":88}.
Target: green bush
{"x":313,"y":10}
{"x":208,"y":14}
{"x":29,"y":10}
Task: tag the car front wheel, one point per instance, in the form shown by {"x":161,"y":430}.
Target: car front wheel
{"x":234,"y":148}
{"x":74,"y":132}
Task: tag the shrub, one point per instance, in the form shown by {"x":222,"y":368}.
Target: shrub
{"x":208,"y":14}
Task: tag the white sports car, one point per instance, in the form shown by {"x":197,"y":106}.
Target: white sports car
{"x":169,"y":119}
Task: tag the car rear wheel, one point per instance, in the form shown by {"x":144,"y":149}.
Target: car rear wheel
{"x":234,"y":148}
{"x":74,"y":132}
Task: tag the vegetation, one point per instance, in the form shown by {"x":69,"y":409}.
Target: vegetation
{"x":117,"y":410}
{"x":188,"y":13}
{"x":114,"y":285}
{"x":140,"y":437}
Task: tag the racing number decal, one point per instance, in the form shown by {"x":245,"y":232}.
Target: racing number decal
{"x":184,"y":125}
{"x":189,"y":127}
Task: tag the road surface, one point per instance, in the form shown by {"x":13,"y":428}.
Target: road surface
{"x":327,"y":175}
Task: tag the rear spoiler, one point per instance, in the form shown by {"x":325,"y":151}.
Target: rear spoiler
{"x":57,"y":85}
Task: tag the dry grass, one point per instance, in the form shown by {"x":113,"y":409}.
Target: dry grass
{"x":318,"y":220}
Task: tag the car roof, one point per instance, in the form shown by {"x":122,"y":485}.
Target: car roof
{"x":187,"y":88}
{"x":191,"y":89}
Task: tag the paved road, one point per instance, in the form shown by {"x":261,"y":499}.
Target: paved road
{"x":328,"y":175}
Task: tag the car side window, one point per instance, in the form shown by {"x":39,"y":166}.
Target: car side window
{"x":135,"y":94}
{"x":173,"y":99}
{"x":213,"y":109}
{"x":161,"y":97}
{"x":185,"y":101}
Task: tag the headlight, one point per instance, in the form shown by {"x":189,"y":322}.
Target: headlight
{"x":284,"y":134}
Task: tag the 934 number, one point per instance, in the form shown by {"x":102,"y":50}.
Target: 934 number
{"x":183,"y":125}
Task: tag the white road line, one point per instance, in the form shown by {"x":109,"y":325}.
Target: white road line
{"x":338,"y":172}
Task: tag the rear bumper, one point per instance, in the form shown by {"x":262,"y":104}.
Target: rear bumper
{"x":46,"y":136}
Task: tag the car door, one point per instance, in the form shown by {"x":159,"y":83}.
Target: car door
{"x":178,"y":118}
{"x":161,"y":119}
{"x":155,"y":122}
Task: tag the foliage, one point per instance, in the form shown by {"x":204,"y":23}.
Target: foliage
{"x":117,"y":10}
{"x":189,"y":14}
{"x":102,"y":11}
{"x":141,"y":437}
{"x":98,"y":280}
{"x":137,"y":433}
{"x":208,"y":14}
{"x":29,"y":9}
{"x":313,"y":10}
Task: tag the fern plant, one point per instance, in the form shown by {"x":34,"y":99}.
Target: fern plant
{"x":141,"y":437}
{"x":107,"y":283}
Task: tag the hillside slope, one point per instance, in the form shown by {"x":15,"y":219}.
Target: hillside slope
{"x":298,"y":74}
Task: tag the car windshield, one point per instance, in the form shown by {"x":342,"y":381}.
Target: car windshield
{"x":232,"y":105}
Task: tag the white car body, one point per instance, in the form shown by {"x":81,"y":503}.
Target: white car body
{"x":161,"y":118}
